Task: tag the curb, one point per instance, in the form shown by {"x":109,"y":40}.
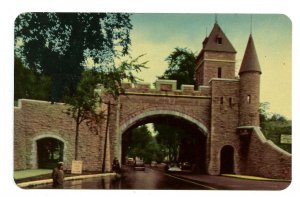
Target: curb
{"x":254,"y":178}
{"x":47,"y":181}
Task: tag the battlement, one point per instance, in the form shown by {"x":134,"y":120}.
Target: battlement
{"x":166,"y":87}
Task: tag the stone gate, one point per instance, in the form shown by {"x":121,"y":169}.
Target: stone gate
{"x":222,"y":106}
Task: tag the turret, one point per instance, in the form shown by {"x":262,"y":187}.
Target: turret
{"x":249,"y":87}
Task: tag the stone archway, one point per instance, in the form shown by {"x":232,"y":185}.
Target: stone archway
{"x":47,"y":150}
{"x":129,"y":123}
{"x":141,"y":119}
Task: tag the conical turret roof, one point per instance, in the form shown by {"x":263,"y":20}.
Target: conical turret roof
{"x":217,"y":41}
{"x":250,"y":61}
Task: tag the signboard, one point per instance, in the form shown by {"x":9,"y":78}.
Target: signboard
{"x":76,"y":167}
{"x":285,"y":139}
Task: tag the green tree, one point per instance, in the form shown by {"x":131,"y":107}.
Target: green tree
{"x":143,"y":145}
{"x":264,"y":114}
{"x":181,"y":67}
{"x":58,"y":44}
{"x":274,"y":125}
{"x":85,"y":102}
{"x":30,"y":84}
{"x":169,"y":138}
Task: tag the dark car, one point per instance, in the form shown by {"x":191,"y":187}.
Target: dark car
{"x":139,"y":165}
{"x":186,"y":166}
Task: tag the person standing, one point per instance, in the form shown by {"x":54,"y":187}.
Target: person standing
{"x":58,"y":176}
{"x":116,"y":166}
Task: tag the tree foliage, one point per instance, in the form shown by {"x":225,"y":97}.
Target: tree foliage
{"x":181,"y":67}
{"x":274,"y":125}
{"x":58,"y":44}
{"x":143,"y":145}
{"x":169,"y":138}
{"x":30,"y":84}
{"x":85,"y":101}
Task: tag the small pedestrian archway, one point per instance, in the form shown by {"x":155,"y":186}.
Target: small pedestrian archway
{"x":49,"y":151}
{"x":227,"y":160}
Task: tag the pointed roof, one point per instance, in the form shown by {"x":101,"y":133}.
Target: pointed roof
{"x":211,"y":43}
{"x":250,"y":61}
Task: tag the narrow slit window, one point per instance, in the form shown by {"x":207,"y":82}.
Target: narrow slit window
{"x":249,"y":99}
{"x":230,"y":102}
{"x":221,"y":100}
{"x":219,"y":72}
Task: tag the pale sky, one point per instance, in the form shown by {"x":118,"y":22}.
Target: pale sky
{"x":156,"y":35}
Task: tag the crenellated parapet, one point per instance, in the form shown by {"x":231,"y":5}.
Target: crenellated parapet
{"x":166,"y":87}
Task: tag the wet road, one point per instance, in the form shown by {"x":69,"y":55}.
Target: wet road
{"x":131,"y":179}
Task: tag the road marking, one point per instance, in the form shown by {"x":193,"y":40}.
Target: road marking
{"x":189,"y":181}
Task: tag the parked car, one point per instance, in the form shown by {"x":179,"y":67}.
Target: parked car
{"x":186,"y":166}
{"x":173,"y":167}
{"x":139,"y":165}
{"x":130,"y":161}
{"x":153,"y":164}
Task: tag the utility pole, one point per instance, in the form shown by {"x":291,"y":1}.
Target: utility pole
{"x":105,"y":137}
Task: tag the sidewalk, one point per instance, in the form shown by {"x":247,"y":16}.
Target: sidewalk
{"x":40,"y":177}
{"x":235,"y":182}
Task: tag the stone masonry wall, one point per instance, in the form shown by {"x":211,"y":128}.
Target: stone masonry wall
{"x":38,"y":119}
{"x":19,"y":140}
{"x":140,"y":99}
{"x":141,"y":102}
{"x":209,"y":62}
{"x":249,"y":89}
{"x":224,"y":121}
{"x":214,"y":108}
{"x":265,"y":159}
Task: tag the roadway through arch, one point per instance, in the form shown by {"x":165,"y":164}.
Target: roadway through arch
{"x":194,"y":154}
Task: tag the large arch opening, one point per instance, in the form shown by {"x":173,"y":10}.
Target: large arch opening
{"x":49,"y":152}
{"x":189,"y":139}
{"x":227,"y":160}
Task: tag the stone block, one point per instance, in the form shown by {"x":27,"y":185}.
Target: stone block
{"x":166,"y":85}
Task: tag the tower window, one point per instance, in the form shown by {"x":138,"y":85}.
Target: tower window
{"x":249,"y":99}
{"x":230,"y":102}
{"x":219,"y":72}
{"x":219,"y":40}
{"x":221,"y":100}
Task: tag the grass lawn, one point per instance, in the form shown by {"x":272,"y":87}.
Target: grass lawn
{"x":21,"y":174}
